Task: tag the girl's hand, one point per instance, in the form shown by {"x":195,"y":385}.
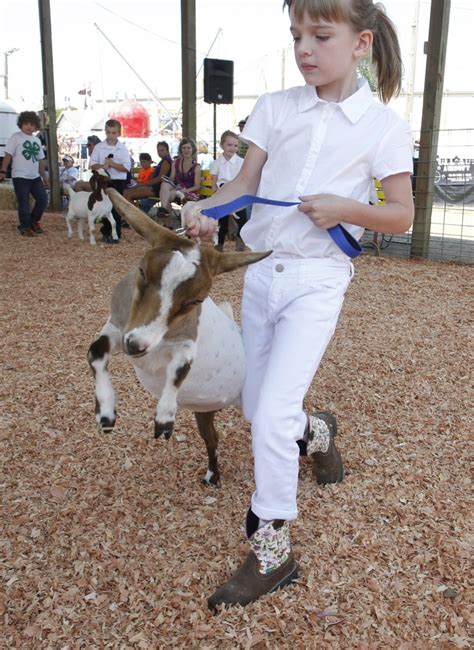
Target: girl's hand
{"x":197,"y":224}
{"x":325,"y":210}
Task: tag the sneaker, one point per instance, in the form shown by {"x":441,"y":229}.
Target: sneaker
{"x":27,"y":232}
{"x":161,"y":212}
{"x":36,"y":228}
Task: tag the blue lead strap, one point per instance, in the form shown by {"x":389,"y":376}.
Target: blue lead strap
{"x":340,"y":236}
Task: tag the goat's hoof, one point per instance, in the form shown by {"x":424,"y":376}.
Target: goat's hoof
{"x":107,"y":425}
{"x":165,"y":428}
{"x":212,"y":479}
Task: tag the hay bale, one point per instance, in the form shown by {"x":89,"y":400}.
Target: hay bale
{"x":7,"y":196}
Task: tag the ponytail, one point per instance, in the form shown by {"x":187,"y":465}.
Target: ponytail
{"x":361,"y":15}
{"x":386,"y":55}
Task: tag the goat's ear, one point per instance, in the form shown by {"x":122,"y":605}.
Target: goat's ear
{"x":141,"y":223}
{"x":223,"y":262}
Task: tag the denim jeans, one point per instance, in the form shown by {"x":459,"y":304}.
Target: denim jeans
{"x":23,"y":188}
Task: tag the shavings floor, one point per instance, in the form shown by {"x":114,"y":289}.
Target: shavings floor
{"x":112,"y":542}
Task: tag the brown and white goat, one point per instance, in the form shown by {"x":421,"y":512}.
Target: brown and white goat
{"x":90,"y":206}
{"x":185,"y":349}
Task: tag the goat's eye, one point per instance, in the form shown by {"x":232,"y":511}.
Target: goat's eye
{"x":141,"y":272}
{"x":191,"y":303}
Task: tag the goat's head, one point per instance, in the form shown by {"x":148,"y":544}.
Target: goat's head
{"x":100,"y":179}
{"x":172,"y":280}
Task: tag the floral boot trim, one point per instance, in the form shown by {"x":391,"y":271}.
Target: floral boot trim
{"x":271,"y":546}
{"x":319,"y":436}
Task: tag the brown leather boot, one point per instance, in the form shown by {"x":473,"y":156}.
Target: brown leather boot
{"x":321,"y":446}
{"x":269,"y":565}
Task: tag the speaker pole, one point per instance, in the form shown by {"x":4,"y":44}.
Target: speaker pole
{"x":215,"y":131}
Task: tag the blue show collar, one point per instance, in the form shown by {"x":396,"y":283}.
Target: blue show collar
{"x":340,"y":236}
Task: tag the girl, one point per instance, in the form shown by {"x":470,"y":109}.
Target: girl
{"x":25,"y":151}
{"x":223,"y":170}
{"x":184,"y":180}
{"x":320,"y":144}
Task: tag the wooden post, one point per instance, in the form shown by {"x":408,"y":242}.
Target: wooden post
{"x":430,"y":121}
{"x":188,"y":66}
{"x":49,"y":103}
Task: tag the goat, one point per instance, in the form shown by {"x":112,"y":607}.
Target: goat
{"x":90,"y":206}
{"x":185,"y":349}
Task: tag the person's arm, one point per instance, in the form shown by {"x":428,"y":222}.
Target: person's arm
{"x":6,"y":161}
{"x":110,"y":163}
{"x":165,"y":170}
{"x":395,"y":217}
{"x":43,"y":172}
{"x":173,"y":172}
{"x":246,"y":182}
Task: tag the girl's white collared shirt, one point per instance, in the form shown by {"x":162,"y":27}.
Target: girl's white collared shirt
{"x":319,"y":147}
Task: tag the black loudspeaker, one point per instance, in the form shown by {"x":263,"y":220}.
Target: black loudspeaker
{"x":218,"y":81}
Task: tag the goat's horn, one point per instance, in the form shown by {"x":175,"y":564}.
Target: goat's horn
{"x":224,"y":262}
{"x":143,"y":225}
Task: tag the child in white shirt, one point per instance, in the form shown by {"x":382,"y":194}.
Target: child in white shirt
{"x":319,"y":145}
{"x":25,"y":151}
{"x":223,"y":170}
{"x":113,"y":156}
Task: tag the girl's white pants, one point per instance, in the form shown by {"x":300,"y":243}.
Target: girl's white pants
{"x":290,"y":309}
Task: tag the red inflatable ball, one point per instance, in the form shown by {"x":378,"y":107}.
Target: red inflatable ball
{"x":134,"y":119}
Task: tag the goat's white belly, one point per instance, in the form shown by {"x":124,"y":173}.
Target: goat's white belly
{"x":217,"y":372}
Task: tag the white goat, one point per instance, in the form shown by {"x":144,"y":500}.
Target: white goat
{"x":185,"y":350}
{"x":90,"y":206}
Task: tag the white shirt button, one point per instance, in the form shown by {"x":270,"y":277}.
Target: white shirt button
{"x":279,"y":268}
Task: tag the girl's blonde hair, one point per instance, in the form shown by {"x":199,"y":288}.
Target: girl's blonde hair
{"x":363,"y":14}
{"x":228,"y":134}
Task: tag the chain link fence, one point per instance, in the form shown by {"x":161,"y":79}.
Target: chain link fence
{"x":443,"y":192}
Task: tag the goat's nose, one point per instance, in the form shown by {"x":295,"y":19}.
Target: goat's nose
{"x":133,"y":347}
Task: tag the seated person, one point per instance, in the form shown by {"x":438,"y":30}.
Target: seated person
{"x":184,"y":181}
{"x":146,"y":170}
{"x":151,"y":188}
{"x":68,"y":174}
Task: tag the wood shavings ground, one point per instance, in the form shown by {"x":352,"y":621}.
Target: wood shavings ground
{"x":111,"y":541}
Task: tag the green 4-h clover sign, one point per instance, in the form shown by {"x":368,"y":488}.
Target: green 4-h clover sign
{"x":31,"y":151}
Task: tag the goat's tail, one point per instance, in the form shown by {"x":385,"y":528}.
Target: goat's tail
{"x":69,"y":189}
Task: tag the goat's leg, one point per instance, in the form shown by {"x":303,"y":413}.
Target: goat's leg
{"x":69,"y":220}
{"x":207,"y":430}
{"x":176,"y":373}
{"x":80,"y":229}
{"x":91,"y":222}
{"x":111,"y":220}
{"x":98,"y":357}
